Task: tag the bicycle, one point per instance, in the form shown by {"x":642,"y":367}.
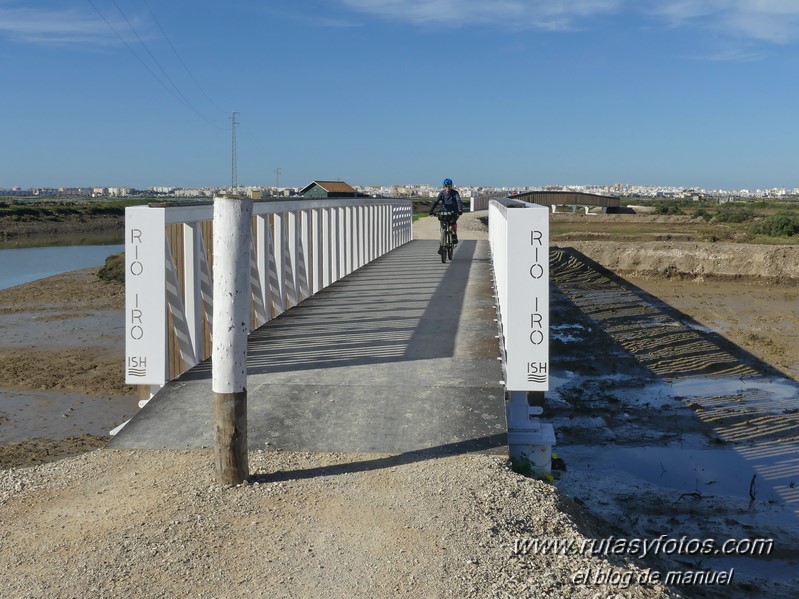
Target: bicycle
{"x":446,"y":219}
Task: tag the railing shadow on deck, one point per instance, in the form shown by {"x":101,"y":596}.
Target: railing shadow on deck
{"x":379,"y":314}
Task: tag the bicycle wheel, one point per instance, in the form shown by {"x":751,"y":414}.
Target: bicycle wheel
{"x":450,"y":244}
{"x":443,"y":252}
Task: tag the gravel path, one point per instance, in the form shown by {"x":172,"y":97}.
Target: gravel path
{"x":154,"y":524}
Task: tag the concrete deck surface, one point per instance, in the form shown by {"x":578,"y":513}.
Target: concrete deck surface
{"x":399,"y":356}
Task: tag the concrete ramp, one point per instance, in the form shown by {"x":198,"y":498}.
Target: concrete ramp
{"x":399,"y":356}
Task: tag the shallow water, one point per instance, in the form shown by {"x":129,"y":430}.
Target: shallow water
{"x":709,"y":472}
{"x":23,"y":265}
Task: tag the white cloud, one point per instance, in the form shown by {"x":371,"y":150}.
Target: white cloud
{"x":734,"y":55}
{"x":43,"y":26}
{"x":537,"y":14}
{"x":770,"y":20}
{"x":774,"y":21}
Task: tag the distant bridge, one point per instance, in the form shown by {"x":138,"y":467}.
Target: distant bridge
{"x":568,"y":198}
{"x":552,"y":198}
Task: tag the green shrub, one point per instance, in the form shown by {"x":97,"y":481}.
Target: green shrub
{"x":19,"y":211}
{"x":782,"y":224}
{"x":113,"y":271}
{"x":702,"y":213}
{"x":731,"y":213}
{"x":669,"y":208}
{"x":97,"y":210}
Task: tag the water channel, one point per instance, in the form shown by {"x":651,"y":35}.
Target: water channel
{"x":26,"y":264}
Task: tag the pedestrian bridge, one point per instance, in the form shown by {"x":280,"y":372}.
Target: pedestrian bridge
{"x":362,"y":340}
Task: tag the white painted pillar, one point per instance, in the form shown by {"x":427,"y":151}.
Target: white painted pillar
{"x":337,"y":215}
{"x":303,"y":263}
{"x":386,"y":229}
{"x":278,"y":242}
{"x":320,"y":250}
{"x":262,"y":238}
{"x":329,"y":251}
{"x":371,"y":233}
{"x":192,"y":247}
{"x":291,"y":262}
{"x":360,"y":233}
{"x":349,"y":244}
{"x":232,"y":297}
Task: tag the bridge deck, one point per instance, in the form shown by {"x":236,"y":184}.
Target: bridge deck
{"x":399,"y":356}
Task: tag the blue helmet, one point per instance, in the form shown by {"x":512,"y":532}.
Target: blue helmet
{"x":447,"y":182}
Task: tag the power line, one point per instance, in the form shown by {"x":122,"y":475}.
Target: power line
{"x":180,"y":99}
{"x":180,"y":59}
{"x":147,"y":49}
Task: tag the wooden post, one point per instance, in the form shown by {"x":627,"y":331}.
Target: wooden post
{"x":232,"y":233}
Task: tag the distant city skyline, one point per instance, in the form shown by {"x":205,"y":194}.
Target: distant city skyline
{"x":524,"y":92}
{"x":408,"y":189}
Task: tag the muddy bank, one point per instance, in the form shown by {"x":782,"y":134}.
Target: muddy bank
{"x":63,"y":332}
{"x":668,"y":259}
{"x":61,"y":367}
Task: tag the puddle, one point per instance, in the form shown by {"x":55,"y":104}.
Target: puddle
{"x":778,"y":389}
{"x":699,"y":327}
{"x":51,"y":415}
{"x":709,"y":472}
{"x":568,"y":333}
{"x":780,"y":395}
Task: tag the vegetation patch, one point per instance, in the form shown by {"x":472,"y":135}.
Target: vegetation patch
{"x":782,"y":224}
{"x":18,"y":210}
{"x":113,"y":271}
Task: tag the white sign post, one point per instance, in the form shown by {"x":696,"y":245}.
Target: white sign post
{"x":520,"y":254}
{"x":527,"y":336}
{"x":145,"y":296}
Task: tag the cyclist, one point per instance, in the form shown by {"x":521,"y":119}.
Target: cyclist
{"x":450,"y":200}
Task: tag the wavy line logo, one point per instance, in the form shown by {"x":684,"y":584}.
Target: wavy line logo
{"x":536,"y":378}
{"x":137,"y":372}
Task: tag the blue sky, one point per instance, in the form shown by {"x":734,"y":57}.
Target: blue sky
{"x":499,"y":93}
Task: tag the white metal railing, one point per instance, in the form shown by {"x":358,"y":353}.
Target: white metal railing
{"x":518,"y":233}
{"x":298,"y":247}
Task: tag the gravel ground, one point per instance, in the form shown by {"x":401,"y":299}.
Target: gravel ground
{"x":154,"y":524}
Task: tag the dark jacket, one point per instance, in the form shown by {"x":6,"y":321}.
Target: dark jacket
{"x":449,"y":201}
